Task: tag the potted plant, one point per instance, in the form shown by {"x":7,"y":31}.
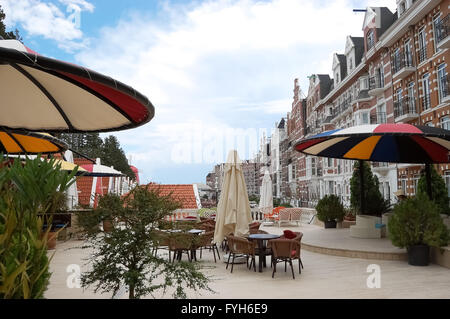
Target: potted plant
{"x":330,"y":210}
{"x":416,"y":225}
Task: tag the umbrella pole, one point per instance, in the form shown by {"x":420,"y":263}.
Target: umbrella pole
{"x":428,"y":177}
{"x":361,"y":184}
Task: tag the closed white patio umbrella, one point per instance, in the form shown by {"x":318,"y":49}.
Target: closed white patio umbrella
{"x":266,"y":199}
{"x":233,"y":212}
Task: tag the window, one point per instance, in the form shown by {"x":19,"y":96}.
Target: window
{"x":350,"y":64}
{"x":337,"y":77}
{"x":365,"y":118}
{"x":437,"y":30}
{"x":370,"y":39}
{"x":408,"y":55}
{"x":447,"y":181}
{"x":330,"y":162}
{"x":402,"y":8}
{"x":442,"y":82}
{"x":422,"y":45}
{"x":411,"y":94}
{"x":330,"y":187}
{"x":445,"y":122}
{"x":415,"y":183}
{"x":403,"y":181}
{"x":430,"y":123}
{"x":426,"y":91}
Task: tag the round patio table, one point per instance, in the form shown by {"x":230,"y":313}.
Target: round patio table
{"x":261,"y":239}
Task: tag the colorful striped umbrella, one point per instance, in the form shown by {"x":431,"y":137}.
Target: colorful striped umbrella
{"x":48,"y":95}
{"x":23,"y":142}
{"x":394,"y":143}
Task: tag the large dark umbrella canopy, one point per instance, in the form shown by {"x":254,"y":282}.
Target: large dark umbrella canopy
{"x":44,"y":94}
{"x":394,"y":143}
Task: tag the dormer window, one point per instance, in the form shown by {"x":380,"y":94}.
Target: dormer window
{"x":370,"y":39}
{"x":402,"y":7}
{"x":350,"y":63}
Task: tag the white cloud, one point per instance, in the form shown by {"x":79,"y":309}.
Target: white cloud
{"x":228,"y":64}
{"x":46,"y":19}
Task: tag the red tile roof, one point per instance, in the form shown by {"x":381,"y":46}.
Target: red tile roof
{"x":184,"y":193}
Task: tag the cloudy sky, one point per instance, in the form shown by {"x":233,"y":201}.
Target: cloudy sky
{"x":220,"y":73}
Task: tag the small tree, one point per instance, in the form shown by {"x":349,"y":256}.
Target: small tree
{"x":375,"y":204}
{"x":416,"y":221}
{"x":126,"y":254}
{"x":440,"y":193}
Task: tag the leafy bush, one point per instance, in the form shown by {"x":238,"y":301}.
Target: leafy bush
{"x":416,"y":221}
{"x":29,"y":193}
{"x":439,"y":190}
{"x":330,"y":208}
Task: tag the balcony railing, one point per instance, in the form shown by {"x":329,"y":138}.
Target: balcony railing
{"x":426,"y":103}
{"x":405,"y":106}
{"x":341,"y":108}
{"x":375,"y":82}
{"x":443,"y":29}
{"x":378,"y":118}
{"x":402,"y":61}
{"x":422,"y":54}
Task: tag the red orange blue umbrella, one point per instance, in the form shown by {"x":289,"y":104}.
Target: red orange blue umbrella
{"x":394,"y":143}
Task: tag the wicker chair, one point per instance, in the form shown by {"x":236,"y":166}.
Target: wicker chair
{"x":181,"y":243}
{"x":254,"y":227}
{"x":286,"y":250}
{"x":161,"y":241}
{"x":206,"y":241}
{"x":241,"y":246}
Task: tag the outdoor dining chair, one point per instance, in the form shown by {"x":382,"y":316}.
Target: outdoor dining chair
{"x":284,"y":216}
{"x":161,"y":241}
{"x":181,"y":243}
{"x":206,"y":241}
{"x":241,"y":246}
{"x":285,"y":250}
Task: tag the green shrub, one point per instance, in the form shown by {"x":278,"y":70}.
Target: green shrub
{"x":30,"y":193}
{"x":330,"y":208}
{"x":416,"y":221}
{"x":439,"y":190}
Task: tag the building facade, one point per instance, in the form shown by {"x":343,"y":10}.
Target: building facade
{"x":395,"y":72}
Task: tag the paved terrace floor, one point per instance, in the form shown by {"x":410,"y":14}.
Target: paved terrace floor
{"x":324,"y":276}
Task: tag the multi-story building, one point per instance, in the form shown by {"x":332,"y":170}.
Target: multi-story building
{"x":275,"y":168}
{"x":396,"y":72}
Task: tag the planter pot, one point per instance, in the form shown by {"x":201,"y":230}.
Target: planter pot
{"x":107,"y":226}
{"x":419,"y":255}
{"x":51,"y":240}
{"x":330,"y":224}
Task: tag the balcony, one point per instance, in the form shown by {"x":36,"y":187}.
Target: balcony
{"x":444,"y":89}
{"x":376,"y":86}
{"x":378,"y":118}
{"x":422,"y":54}
{"x":402,"y":65}
{"x":380,"y":167}
{"x":405,"y":109}
{"x":342,"y":108}
{"x":443,"y":30}
{"x":426,"y":102}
